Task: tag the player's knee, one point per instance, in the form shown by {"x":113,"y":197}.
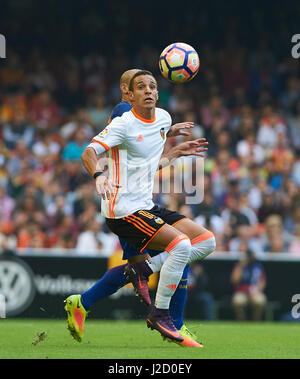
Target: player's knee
{"x":211,"y":243}
{"x":181,"y":247}
{"x":203,"y":245}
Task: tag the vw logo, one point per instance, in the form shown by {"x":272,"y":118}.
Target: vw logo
{"x":16,"y":285}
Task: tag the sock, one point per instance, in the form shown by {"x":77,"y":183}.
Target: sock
{"x":110,"y":282}
{"x":171,"y":272}
{"x":178,"y":300}
{"x":156,"y":262}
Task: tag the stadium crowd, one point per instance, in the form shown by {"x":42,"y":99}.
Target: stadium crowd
{"x":248,"y":108}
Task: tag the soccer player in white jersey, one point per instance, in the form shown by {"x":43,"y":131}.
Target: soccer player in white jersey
{"x":134,"y":143}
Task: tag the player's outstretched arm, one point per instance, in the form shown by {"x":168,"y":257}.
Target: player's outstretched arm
{"x":197,"y":148}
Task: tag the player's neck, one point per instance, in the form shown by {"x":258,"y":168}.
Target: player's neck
{"x":144,"y":113}
{"x":125,"y":98}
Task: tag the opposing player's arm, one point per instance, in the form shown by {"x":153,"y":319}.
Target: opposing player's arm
{"x":197,"y":148}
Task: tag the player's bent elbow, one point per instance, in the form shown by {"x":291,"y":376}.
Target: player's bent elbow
{"x":86,"y":155}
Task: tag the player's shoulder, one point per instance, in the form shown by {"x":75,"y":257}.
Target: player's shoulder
{"x":122,"y":121}
{"x":162,"y":113}
{"x":120,"y":109}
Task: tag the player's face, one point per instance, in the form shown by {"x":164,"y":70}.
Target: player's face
{"x":145,"y":93}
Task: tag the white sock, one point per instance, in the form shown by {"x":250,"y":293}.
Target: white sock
{"x":172,"y":269}
{"x":156,"y":262}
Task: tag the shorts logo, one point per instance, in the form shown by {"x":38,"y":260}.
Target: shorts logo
{"x":158,"y":220}
{"x":162,"y":133}
{"x":146,"y":214}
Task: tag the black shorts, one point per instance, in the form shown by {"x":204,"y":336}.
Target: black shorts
{"x":140,"y":227}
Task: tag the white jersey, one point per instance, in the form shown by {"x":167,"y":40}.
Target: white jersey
{"x":134,"y":147}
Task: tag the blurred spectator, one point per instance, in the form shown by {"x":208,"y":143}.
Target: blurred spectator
{"x":31,"y":235}
{"x":270,"y":126}
{"x":69,"y":94}
{"x":293,"y":121}
{"x":12,"y":104}
{"x":75,"y":148}
{"x":46,"y":145}
{"x":44,"y":111}
{"x":291,"y":95}
{"x":63,"y":232}
{"x":7,"y":205}
{"x":8,"y":240}
{"x":282,"y":154}
{"x":12,"y":73}
{"x":295,"y":244}
{"x":249,"y":151}
{"x":214,"y":108}
{"x":233,"y":215}
{"x":198,"y":292}
{"x":99,"y":113}
{"x":246,"y":236}
{"x":84,"y":196}
{"x":207,"y":214}
{"x":275,"y":237}
{"x":249,"y":280}
{"x":269,"y":206}
{"x":80,"y":120}
{"x":18,"y":129}
{"x":92,"y":241}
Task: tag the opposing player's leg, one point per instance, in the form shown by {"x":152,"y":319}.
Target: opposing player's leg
{"x":110,"y":282}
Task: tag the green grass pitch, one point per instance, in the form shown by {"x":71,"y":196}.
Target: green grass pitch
{"x":133,"y":340}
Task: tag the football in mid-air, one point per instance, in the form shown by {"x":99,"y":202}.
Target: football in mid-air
{"x":179,"y":62}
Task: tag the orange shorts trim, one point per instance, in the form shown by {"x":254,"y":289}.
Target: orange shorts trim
{"x":176,"y":222}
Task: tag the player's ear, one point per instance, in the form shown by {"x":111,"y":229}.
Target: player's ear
{"x":130,"y":94}
{"x":124,"y":88}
